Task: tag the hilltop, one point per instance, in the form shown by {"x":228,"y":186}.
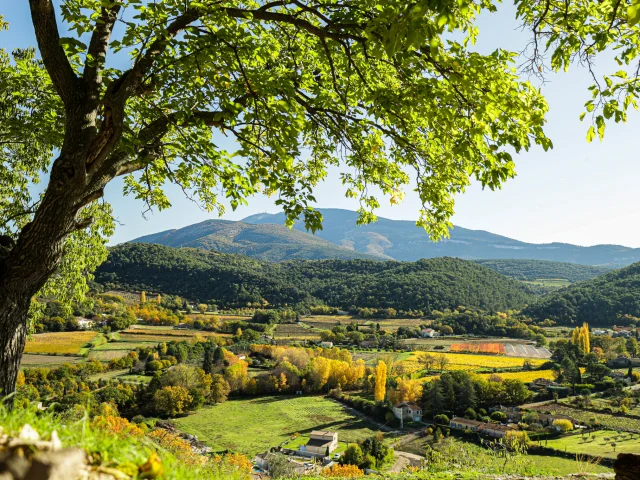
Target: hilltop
{"x":402,"y":240}
{"x":266,"y":242}
{"x":235,"y":280}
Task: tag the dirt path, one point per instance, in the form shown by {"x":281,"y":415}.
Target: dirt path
{"x":403,"y":460}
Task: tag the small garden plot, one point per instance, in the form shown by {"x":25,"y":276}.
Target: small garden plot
{"x":602,"y":443}
{"x":491,"y":348}
{"x":254,"y":425}
{"x":62,"y":343}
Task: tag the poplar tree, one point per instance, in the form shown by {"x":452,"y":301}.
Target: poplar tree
{"x":381,"y":381}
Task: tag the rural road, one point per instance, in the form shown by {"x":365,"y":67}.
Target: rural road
{"x":405,"y":459}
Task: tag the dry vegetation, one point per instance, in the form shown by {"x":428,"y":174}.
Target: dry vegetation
{"x":59,"y":343}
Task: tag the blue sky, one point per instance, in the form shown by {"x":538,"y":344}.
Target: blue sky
{"x":577,"y":193}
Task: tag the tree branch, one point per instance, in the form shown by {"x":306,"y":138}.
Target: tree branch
{"x":98,"y":46}
{"x":55,"y":60}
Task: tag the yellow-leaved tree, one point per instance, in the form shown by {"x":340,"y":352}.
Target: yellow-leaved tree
{"x":143,"y":297}
{"x":381,"y":381}
{"x":580,"y":337}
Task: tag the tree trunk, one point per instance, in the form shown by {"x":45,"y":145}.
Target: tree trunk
{"x":13,"y":333}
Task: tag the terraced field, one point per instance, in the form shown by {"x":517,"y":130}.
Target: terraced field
{"x":32,"y":361}
{"x":583,"y":416}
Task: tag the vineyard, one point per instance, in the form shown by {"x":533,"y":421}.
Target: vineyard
{"x":489,"y":347}
{"x":606,"y":421}
{"x":59,"y":343}
{"x":295,"y":332}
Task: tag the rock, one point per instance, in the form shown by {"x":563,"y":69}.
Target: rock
{"x":28,"y":434}
{"x":627,"y":466}
{"x":65,"y":464}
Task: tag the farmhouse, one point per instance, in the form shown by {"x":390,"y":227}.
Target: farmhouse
{"x":321,"y":443}
{"x":84,"y":323}
{"x":408,"y":411}
{"x":429,"y":333}
{"x":326,"y":344}
{"x":623,"y":362}
{"x":494,"y":430}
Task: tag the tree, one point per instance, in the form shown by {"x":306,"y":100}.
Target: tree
{"x":373,"y":87}
{"x":563,"y":425}
{"x":441,"y":361}
{"x":171,"y":400}
{"x":342,"y":471}
{"x":202,"y":308}
{"x":219,"y":389}
{"x":381,"y":381}
{"x":280,"y":466}
{"x":143,"y":297}
{"x":352,"y":455}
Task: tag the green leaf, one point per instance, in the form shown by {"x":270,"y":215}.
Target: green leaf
{"x":633,"y":13}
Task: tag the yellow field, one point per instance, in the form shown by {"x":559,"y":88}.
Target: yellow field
{"x":63,"y":343}
{"x":484,"y":361}
{"x":526,"y":377}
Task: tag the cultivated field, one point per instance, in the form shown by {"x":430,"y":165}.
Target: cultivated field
{"x":526,"y":377}
{"x":602,"y":443}
{"x":288,"y":331}
{"x":491,"y":348}
{"x":31,"y":361}
{"x":62,"y":343}
{"x":530,"y":351}
{"x":462,"y":361}
{"x":251,"y":426}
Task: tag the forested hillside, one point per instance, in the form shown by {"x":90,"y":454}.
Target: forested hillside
{"x":266,"y":242}
{"x":230,"y":280}
{"x":604,"y":300}
{"x":529,"y":270}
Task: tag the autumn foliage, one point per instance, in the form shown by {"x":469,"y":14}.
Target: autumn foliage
{"x":342,"y":471}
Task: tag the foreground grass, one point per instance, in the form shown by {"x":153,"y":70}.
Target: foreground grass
{"x":253,"y":425}
{"x":106,"y":448}
{"x":600,"y":443}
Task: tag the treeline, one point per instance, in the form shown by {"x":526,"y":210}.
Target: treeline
{"x":611,"y":299}
{"x":528,"y":270}
{"x":234,"y":280}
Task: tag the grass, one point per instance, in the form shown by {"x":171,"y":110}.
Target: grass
{"x":549,"y":282}
{"x":253,"y":425}
{"x":63,"y":343}
{"x":101,"y":445}
{"x":598,"y":443}
{"x":458,"y":455}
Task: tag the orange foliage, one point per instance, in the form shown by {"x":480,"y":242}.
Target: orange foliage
{"x":176,"y":445}
{"x":118,"y":425}
{"x":342,"y":471}
{"x":484,"y":347}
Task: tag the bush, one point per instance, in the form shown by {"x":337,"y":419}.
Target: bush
{"x":441,"y":419}
{"x":499,"y":416}
{"x":563,"y":424}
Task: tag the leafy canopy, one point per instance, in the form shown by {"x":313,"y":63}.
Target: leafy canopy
{"x":577,"y":31}
{"x":378,"y":88}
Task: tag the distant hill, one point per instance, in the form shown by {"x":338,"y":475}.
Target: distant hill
{"x":599,"y":301}
{"x":266,"y":242}
{"x":531,"y":270}
{"x":402,"y":240}
{"x":233,"y":280}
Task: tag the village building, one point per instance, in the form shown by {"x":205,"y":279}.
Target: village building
{"x":408,"y":411}
{"x":429,"y":333}
{"x":494,"y":430}
{"x":84,"y":323}
{"x":321,"y":443}
{"x":326,"y":344}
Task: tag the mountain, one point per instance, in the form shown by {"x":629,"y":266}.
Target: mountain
{"x":600,"y":301}
{"x":266,"y":242}
{"x":531,"y":270}
{"x":402,"y":240}
{"x":235,"y":280}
